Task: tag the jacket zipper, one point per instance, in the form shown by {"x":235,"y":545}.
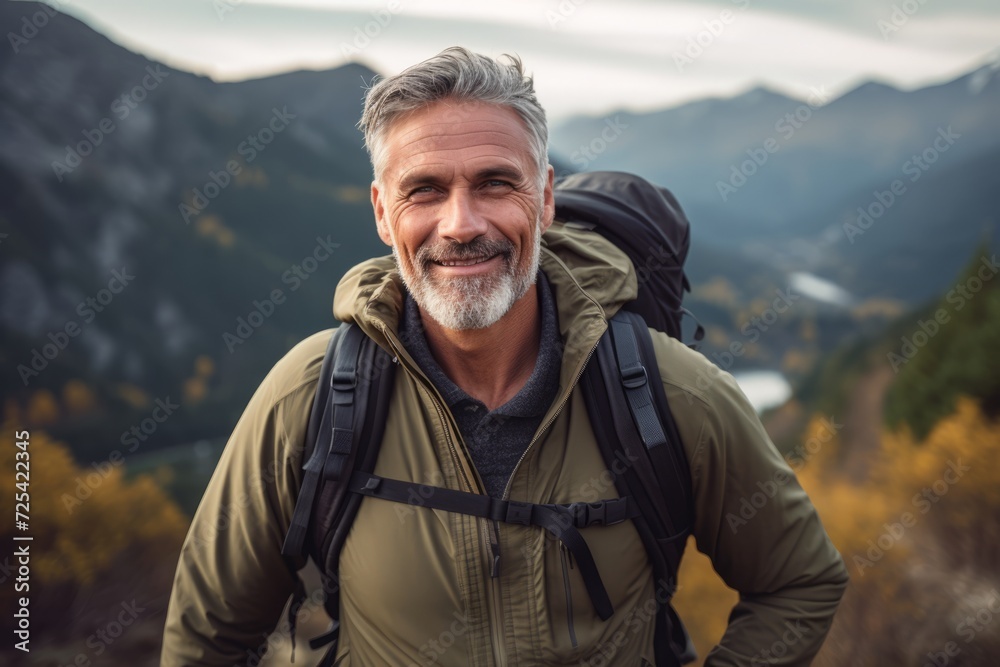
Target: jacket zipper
{"x":495,"y":555}
{"x":549,"y":421}
{"x":506,"y":491}
{"x":492,"y":590}
{"x":493,"y":549}
{"x":567,"y":562}
{"x":496,"y":619}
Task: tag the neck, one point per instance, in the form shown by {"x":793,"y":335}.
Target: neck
{"x":492,"y":364}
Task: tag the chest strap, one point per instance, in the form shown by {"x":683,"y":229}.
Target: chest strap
{"x":560,"y":520}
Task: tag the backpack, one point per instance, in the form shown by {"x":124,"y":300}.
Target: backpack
{"x":629,"y":415}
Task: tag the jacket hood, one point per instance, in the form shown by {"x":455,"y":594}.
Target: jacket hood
{"x":589,"y":275}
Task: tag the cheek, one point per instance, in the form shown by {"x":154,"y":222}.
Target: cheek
{"x":410,"y":227}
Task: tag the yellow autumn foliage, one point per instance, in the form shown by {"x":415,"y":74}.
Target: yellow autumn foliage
{"x":83,"y":520}
{"x":211,"y":226}
{"x":946,"y":487}
{"x":251,"y":177}
{"x":718,"y":290}
{"x":133,"y":395}
{"x":78,"y":398}
{"x":951,"y":477}
{"x":42,"y":407}
{"x":796,"y":361}
{"x":204,"y":366}
{"x":194,"y":390}
{"x":702,"y":600}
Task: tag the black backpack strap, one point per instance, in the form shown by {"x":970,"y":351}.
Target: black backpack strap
{"x":651,"y":414}
{"x":342,"y":434}
{"x":294,"y":545}
{"x":672,"y":469}
{"x":632,"y":423}
{"x":375,"y":373}
{"x":560,"y":520}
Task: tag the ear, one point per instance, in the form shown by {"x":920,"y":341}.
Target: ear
{"x":548,"y":200}
{"x":378,"y":207}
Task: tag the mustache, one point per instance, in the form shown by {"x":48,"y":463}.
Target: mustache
{"x":479,"y":247}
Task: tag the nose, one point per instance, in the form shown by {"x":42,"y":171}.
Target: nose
{"x":461,"y":221}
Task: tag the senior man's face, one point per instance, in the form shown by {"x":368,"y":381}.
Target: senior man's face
{"x":460,"y":204}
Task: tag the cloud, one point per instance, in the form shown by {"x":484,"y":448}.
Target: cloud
{"x":590,"y":57}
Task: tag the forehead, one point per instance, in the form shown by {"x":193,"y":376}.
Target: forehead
{"x":453,"y":133}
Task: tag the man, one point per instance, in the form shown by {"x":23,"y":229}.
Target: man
{"x":491,"y":326}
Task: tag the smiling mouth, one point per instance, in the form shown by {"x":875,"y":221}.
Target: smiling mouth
{"x":464,"y":262}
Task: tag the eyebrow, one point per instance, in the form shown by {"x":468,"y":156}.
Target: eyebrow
{"x":508,"y":173}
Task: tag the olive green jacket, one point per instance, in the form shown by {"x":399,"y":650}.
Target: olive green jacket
{"x":415,"y":582}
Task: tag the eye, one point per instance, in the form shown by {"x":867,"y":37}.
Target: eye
{"x":495,"y":183}
{"x":422,"y":190}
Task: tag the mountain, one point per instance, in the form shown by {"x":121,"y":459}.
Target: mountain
{"x":761,"y":171}
{"x":148,"y":211}
{"x":923,"y":238}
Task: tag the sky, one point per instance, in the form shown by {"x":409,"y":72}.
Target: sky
{"x":586,"y":56}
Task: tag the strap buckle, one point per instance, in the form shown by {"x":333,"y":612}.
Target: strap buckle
{"x":518,"y":512}
{"x":343,"y":380}
{"x":605,"y":512}
{"x":634,"y":377}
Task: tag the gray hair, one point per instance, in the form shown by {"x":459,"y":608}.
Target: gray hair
{"x":459,"y":74}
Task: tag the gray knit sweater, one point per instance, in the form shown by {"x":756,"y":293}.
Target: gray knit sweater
{"x":497,"y":438}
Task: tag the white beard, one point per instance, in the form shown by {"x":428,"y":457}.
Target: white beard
{"x":475,"y":302}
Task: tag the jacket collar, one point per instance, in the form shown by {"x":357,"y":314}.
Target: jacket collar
{"x":590,"y":278}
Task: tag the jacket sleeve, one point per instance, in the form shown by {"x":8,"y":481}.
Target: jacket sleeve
{"x":231,"y":582}
{"x":755,"y":522}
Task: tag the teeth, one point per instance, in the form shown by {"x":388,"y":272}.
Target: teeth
{"x":469,"y":262}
